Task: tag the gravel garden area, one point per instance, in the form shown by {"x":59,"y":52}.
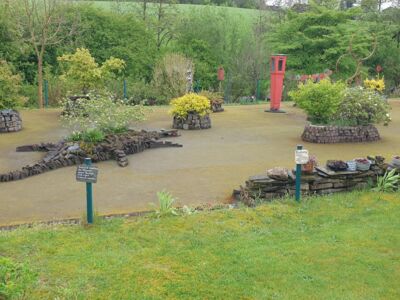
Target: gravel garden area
{"x":244,"y":140}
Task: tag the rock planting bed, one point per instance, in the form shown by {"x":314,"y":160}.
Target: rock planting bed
{"x":64,"y":154}
{"x":339,"y":134}
{"x":193,"y":121}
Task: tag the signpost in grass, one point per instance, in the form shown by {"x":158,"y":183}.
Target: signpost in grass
{"x":301,"y":158}
{"x":88,"y":173}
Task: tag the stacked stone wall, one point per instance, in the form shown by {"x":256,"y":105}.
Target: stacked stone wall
{"x":10,"y":121}
{"x":115,"y":146}
{"x":340,"y":134}
{"x":322,"y":181}
{"x":192,"y":121}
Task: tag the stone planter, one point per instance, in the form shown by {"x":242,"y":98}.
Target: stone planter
{"x":216,"y":107}
{"x":10,"y":121}
{"x":340,"y":134}
{"x":192,"y":121}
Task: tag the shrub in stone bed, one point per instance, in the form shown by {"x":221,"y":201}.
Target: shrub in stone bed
{"x":319,"y":100}
{"x":191,"y":111}
{"x":216,"y":100}
{"x":92,"y":119}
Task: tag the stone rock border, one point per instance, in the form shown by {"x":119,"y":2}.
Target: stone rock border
{"x":340,"y":134}
{"x":115,"y":146}
{"x":322,"y":181}
{"x":216,"y":107}
{"x":192,"y":121}
{"x":10,"y":121}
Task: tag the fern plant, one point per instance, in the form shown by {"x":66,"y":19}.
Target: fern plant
{"x":388,"y":182}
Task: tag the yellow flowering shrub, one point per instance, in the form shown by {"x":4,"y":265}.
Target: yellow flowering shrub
{"x":190,"y":103}
{"x":377,"y":84}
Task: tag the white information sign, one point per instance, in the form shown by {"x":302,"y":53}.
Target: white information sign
{"x":301,"y":157}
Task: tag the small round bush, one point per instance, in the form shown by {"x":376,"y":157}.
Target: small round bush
{"x":190,"y":103}
{"x":363,"y":107}
{"x":319,"y":100}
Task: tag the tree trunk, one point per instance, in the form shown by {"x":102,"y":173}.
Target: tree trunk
{"x":40,"y":81}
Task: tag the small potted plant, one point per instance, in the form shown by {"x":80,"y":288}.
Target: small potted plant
{"x":362,"y":164}
{"x":191,"y":111}
{"x":308,"y":168}
{"x":337,"y":165}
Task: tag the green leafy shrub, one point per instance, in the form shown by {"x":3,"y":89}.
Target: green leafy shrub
{"x":15,"y":279}
{"x":320,"y":100}
{"x":363,"y":107}
{"x":10,"y":87}
{"x":82,"y":73}
{"x":388,"y":182}
{"x":190,"y":103}
{"x":92,"y":136}
{"x":91,"y":119}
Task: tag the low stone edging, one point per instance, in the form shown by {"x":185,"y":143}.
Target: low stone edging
{"x":322,"y":181}
{"x":10,"y":121}
{"x":64,"y":153}
{"x":192,"y":121}
{"x":340,"y":134}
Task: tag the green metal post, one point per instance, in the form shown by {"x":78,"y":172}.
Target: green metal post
{"x":125,"y":90}
{"x":46,"y":93}
{"x":298,"y":177}
{"x":89,"y":196}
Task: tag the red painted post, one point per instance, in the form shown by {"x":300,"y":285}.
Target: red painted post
{"x":221,"y":74}
{"x":277,"y":70}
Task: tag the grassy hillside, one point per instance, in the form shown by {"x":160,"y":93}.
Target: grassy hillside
{"x":335,"y":247}
{"x":242,"y":13}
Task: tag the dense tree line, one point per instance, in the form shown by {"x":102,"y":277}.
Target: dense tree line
{"x":143,"y":34}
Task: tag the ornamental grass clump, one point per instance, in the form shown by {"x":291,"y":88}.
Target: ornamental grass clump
{"x":190,"y":103}
{"x":320,"y":101}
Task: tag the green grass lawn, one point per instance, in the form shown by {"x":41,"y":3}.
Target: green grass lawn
{"x":336,"y":247}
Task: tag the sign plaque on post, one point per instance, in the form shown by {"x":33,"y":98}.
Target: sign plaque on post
{"x":301,"y":157}
{"x":88,"y":173}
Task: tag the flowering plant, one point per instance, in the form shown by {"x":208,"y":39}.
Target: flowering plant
{"x":102,"y":114}
{"x":377,"y":84}
{"x":190,"y":103}
{"x":363,"y":107}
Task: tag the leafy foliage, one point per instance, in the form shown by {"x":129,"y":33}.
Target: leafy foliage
{"x":15,"y":279}
{"x":101,"y":114}
{"x":214,"y":97}
{"x":188,"y":103}
{"x":320,"y":100}
{"x":10,"y":86}
{"x":83,"y":73}
{"x":363,"y":107}
{"x":388,"y":182}
{"x":166,"y":201}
